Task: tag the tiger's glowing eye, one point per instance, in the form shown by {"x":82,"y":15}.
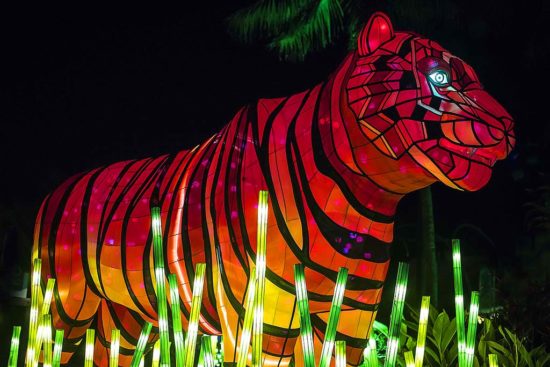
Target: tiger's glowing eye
{"x":439,"y":78}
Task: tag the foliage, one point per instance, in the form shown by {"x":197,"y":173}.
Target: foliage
{"x":294,"y":28}
{"x":442,"y":348}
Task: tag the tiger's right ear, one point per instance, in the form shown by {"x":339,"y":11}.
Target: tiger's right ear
{"x":377,"y":31}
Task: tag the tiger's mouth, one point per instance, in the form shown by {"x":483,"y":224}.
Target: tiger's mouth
{"x":475,"y":153}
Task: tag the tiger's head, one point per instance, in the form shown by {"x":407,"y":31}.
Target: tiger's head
{"x":422,"y":112}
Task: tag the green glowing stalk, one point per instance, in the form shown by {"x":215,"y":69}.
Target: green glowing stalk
{"x":242,"y":351}
{"x":47,"y":340}
{"x":176,"y":320}
{"x":58,"y":346}
{"x":370,"y":356}
{"x":493,"y":360}
{"x":142,"y":342}
{"x":47,"y":297}
{"x":193,"y":328}
{"x":306,"y":333}
{"x":340,"y":353}
{"x":422,"y":328}
{"x":156,"y":354}
{"x":115,"y":345}
{"x":158,"y":256}
{"x":261,"y":244}
{"x":334,"y":315}
{"x":397,"y":314}
{"x":459,"y":304}
{"x":409,"y":359}
{"x":472,"y":328}
{"x":89,"y":354}
{"x":206,"y":358}
{"x":14,"y":346}
{"x":33,"y":322}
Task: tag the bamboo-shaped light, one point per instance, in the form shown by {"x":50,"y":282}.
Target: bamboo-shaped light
{"x":334,"y":316}
{"x":46,"y":339}
{"x":261,"y":244}
{"x":156,"y":354}
{"x":340,"y":353}
{"x":57,"y":348}
{"x":158,"y":256}
{"x":306,"y":333}
{"x":397,"y":314}
{"x":14,"y":346}
{"x":34,"y":312}
{"x":115,"y":346}
{"x":493,"y":360}
{"x":47,"y":297}
{"x":193,"y":328}
{"x":422,"y":328}
{"x":176,"y":320}
{"x":89,"y":354}
{"x":459,"y":303}
{"x":142,"y":342}
{"x":409,"y":359}
{"x":242,"y":350}
{"x":370,"y":355}
{"x":472,"y":328}
{"x":206,"y":358}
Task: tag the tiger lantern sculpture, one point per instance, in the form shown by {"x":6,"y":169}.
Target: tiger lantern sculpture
{"x":399,"y":114}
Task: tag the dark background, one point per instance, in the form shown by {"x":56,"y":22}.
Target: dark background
{"x":91,"y":87}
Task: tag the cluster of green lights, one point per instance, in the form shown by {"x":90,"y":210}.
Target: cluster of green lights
{"x":40,"y":326}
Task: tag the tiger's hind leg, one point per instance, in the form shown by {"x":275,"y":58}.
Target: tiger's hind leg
{"x":110,"y":316}
{"x":74,"y":321}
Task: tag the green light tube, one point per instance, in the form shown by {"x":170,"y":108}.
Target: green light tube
{"x":158,"y":256}
{"x":40,"y":336}
{"x":459,"y":303}
{"x":306,"y":333}
{"x":57,"y":348}
{"x":422,"y":328}
{"x":472,"y":329}
{"x":196,"y":302}
{"x":176,"y":320}
{"x":242,"y":351}
{"x":206,"y":358}
{"x":334,"y":315}
{"x":370,"y":355}
{"x":142,"y":342}
{"x":493,"y":360}
{"x":156,"y":354}
{"x":115,"y":346}
{"x":14,"y":346}
{"x":33,"y":319}
{"x":89,"y":354}
{"x":47,"y":340}
{"x":340,"y":353}
{"x":261,"y":244}
{"x":409,"y":359}
{"x":47,"y":297}
{"x":396,"y":314}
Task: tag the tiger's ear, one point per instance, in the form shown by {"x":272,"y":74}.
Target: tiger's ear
{"x":377,"y":31}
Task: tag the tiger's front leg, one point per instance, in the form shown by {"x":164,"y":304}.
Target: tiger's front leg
{"x":281,"y":321}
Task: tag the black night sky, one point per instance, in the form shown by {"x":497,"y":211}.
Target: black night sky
{"x":90,"y":88}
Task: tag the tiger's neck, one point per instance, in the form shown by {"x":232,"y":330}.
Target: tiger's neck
{"x":307,"y":160}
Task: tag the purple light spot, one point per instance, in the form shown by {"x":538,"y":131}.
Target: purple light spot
{"x":359,"y":239}
{"x":234,"y":214}
{"x":367,"y":255}
{"x":111,"y":241}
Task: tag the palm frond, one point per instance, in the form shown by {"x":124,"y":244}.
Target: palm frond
{"x":314,"y":31}
{"x":267,"y":19}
